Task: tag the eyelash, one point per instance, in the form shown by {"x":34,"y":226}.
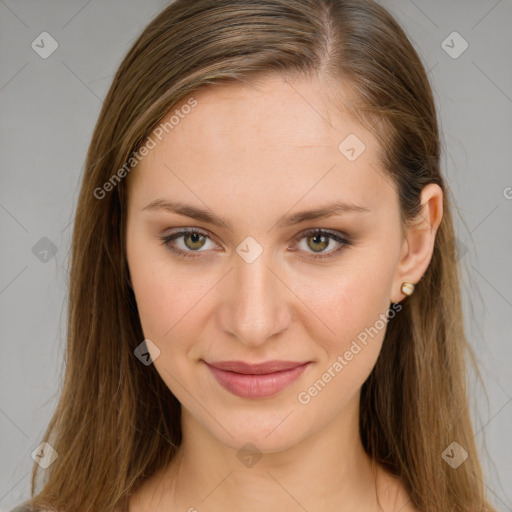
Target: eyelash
{"x":345,"y":241}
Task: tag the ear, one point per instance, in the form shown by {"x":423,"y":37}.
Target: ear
{"x":418,"y":243}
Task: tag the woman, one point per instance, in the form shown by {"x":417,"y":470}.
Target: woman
{"x":264,"y":308}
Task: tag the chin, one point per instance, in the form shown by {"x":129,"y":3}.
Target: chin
{"x":268,"y":431}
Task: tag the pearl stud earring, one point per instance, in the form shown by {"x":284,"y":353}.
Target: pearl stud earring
{"x":407,"y":288}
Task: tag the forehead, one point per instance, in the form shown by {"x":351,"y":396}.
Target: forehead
{"x":276,"y":137}
{"x":271,"y":112}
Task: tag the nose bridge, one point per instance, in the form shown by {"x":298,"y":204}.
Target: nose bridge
{"x":257,"y":307}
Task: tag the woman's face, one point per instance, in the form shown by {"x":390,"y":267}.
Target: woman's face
{"x":253,"y":282}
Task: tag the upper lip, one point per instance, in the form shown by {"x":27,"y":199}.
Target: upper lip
{"x":258,"y":368}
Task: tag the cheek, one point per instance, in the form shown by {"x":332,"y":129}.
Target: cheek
{"x":156,"y":295}
{"x":348,"y":356}
{"x":169,"y":297}
{"x":164,"y":300}
{"x":352,"y":302}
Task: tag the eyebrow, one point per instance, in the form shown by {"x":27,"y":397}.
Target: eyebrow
{"x":201,"y":214}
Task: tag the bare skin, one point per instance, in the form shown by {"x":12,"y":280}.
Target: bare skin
{"x":251,"y":155}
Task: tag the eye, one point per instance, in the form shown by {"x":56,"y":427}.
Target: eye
{"x":194,"y":240}
{"x":319,"y":239}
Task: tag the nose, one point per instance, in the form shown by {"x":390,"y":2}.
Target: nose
{"x":256,"y":303}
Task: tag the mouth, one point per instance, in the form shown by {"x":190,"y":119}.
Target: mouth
{"x":256,"y":380}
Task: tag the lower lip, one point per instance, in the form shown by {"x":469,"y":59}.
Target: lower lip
{"x":256,"y":386}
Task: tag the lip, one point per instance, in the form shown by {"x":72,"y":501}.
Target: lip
{"x":256,"y":380}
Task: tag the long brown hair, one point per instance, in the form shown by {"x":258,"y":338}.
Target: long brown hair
{"x":116,"y":422}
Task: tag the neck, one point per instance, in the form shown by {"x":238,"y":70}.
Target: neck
{"x":328,"y":470}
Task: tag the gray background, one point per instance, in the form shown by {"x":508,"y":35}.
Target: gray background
{"x":48,"y":111}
